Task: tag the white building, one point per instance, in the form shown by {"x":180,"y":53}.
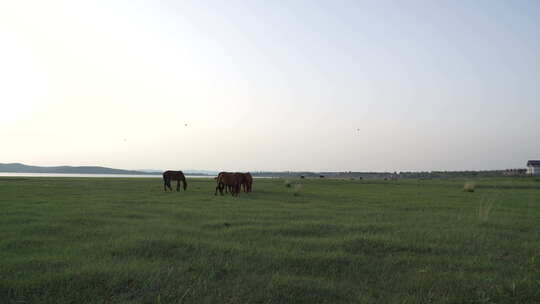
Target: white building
{"x":533,"y":167}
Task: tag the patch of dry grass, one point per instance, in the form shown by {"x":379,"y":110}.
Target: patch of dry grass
{"x":469,"y":187}
{"x":297,"y":189}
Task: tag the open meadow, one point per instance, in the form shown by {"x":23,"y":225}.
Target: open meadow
{"x":92,"y":240}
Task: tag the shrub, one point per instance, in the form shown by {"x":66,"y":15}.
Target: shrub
{"x":288,"y":183}
{"x":469,"y":187}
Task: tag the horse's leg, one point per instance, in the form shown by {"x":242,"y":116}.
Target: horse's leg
{"x":185,"y":183}
{"x":169,"y":183}
{"x":166,"y":183}
{"x":220,"y":187}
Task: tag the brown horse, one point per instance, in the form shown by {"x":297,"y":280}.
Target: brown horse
{"x":175,"y":176}
{"x":241,"y":179}
{"x":228,"y":180}
{"x":217,"y":177}
{"x":248,"y":181}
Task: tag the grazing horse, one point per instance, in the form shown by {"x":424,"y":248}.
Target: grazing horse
{"x":248,"y":181}
{"x":230,"y":180}
{"x":175,"y":176}
{"x":241,"y":179}
{"x":217,"y":177}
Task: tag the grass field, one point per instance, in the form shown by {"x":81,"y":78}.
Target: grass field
{"x":95,"y":240}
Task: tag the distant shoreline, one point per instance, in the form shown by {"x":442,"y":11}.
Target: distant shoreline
{"x":93,"y":175}
{"x":18,"y":169}
{"x":28,"y":169}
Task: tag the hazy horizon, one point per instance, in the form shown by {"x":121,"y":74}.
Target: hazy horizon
{"x":271,"y":86}
{"x":195,"y":170}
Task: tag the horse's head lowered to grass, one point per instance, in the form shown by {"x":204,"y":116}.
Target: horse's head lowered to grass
{"x":174,"y":175}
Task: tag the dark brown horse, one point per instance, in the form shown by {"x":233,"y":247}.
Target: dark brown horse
{"x":217,"y":177}
{"x":248,"y":181}
{"x":175,"y":176}
{"x":229,"y":180}
{"x":241,"y":179}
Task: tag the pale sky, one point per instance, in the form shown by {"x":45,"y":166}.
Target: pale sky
{"x":271,"y":85}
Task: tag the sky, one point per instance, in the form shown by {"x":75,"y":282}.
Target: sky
{"x":271,"y":85}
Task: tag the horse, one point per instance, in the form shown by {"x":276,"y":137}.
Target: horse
{"x":248,"y":181}
{"x":217,"y":177}
{"x":173,"y":175}
{"x":241,"y":179}
{"x":230,"y":180}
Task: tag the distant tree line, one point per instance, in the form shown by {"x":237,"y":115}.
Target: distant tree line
{"x":391,"y":175}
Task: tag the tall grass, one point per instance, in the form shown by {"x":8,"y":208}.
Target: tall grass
{"x":297,"y":189}
{"x":486,"y":205}
{"x":485,"y":209}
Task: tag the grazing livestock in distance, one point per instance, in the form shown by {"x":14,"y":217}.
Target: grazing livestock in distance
{"x":230,"y":180}
{"x":173,"y":175}
{"x":241,"y":180}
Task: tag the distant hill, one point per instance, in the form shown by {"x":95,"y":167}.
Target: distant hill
{"x":152,"y":171}
{"x":22,"y":168}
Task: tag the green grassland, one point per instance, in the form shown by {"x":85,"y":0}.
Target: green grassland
{"x":66,"y":240}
